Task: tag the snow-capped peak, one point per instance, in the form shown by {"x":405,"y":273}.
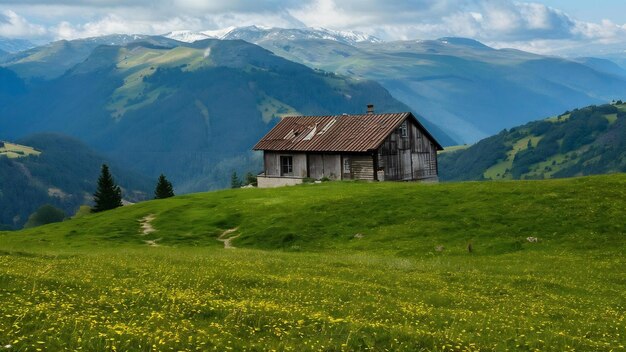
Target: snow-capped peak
{"x":258,"y":33}
{"x":187,"y":36}
{"x":218,"y":33}
{"x":349,"y":36}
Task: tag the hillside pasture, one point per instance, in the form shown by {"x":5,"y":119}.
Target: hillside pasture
{"x":13,"y":151}
{"x":490,"y":266}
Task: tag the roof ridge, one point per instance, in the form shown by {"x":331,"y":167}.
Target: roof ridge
{"x":348,"y":115}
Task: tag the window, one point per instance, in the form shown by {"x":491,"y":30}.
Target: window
{"x":286,"y":165}
{"x":346,"y":165}
{"x":404,"y":130}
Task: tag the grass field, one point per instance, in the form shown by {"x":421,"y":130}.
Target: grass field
{"x":334,"y":267}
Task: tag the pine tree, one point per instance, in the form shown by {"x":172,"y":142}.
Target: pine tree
{"x":163,"y":189}
{"x":235,"y":182}
{"x":108,"y":195}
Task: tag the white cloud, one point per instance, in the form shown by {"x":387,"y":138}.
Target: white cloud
{"x":115,"y":24}
{"x":603,"y":31}
{"x":499,"y":20}
{"x":14,"y":26}
{"x":524,"y":24}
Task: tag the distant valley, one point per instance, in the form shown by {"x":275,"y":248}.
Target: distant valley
{"x":460,"y":85}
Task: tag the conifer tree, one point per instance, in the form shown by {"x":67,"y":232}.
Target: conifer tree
{"x":163,"y":188}
{"x":108,"y":195}
{"x":235,"y":182}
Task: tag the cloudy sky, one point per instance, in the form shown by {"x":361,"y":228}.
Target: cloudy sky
{"x":545,"y":26}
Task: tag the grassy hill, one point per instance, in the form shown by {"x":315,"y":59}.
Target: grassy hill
{"x":58,"y":170}
{"x":335,"y":266}
{"x":54,"y":59}
{"x":584,"y":141}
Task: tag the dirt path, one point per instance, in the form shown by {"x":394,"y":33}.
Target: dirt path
{"x":152,"y":243}
{"x":228,"y":241}
{"x":146,"y":225}
{"x":147,"y":228}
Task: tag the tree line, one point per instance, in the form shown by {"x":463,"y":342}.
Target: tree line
{"x":108,"y":196}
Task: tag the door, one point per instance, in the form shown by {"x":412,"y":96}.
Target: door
{"x":316,"y":166}
{"x":406,"y":169}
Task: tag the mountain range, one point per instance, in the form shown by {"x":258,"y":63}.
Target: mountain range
{"x":189,"y":110}
{"x":193,"y":108}
{"x":255,"y":33}
{"x":51,"y":60}
{"x":8,"y":45}
{"x":459,"y":85}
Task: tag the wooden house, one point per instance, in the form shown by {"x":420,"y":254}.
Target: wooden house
{"x":376,"y":147}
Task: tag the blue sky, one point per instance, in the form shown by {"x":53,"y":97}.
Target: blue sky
{"x":576,"y":27}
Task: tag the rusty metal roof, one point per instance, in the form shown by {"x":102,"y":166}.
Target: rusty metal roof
{"x":339,"y":133}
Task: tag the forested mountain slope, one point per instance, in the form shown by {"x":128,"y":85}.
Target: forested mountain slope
{"x":192,"y":111}
{"x":57,"y":170}
{"x":584,"y":141}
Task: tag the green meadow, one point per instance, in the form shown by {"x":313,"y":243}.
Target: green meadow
{"x":14,"y":151}
{"x":337,"y":266}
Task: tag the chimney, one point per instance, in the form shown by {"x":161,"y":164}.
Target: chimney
{"x":370,"y":108}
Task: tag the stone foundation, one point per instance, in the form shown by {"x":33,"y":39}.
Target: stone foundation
{"x":272,"y":182}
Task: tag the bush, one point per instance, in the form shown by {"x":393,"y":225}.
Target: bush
{"x":540,"y":128}
{"x":606,"y":109}
{"x":82,"y":211}
{"x":46,"y":214}
{"x":251,"y":179}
